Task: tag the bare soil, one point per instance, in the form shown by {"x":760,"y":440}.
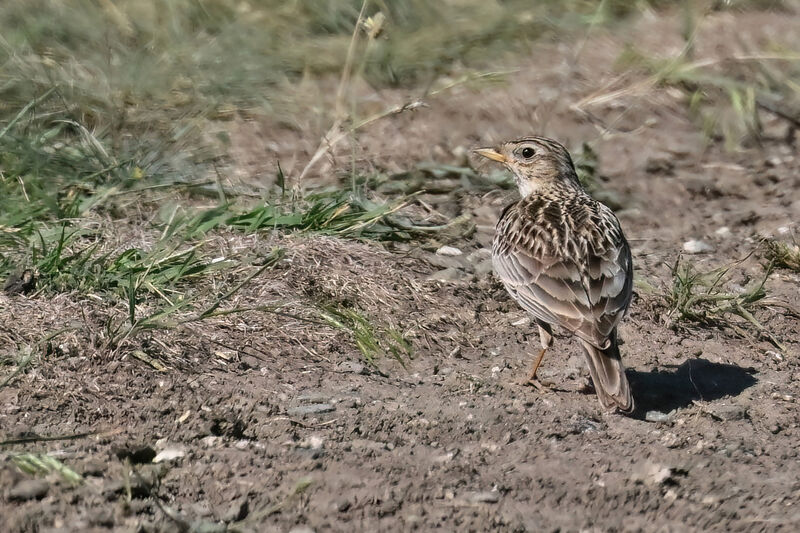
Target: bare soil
{"x":281,"y":423}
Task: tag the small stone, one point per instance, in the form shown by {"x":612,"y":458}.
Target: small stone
{"x":313,"y":442}
{"x":491,"y":496}
{"x":671,"y":495}
{"x":657,"y":416}
{"x":311,"y":409}
{"x":169,"y":454}
{"x":695,"y":246}
{"x":479,"y":255}
{"x":775,"y":355}
{"x":352,"y":367}
{"x":728,"y":412}
{"x":210,"y":441}
{"x":449,"y":251}
{"x":724,"y":231}
{"x":448,"y":274}
{"x":524,"y":321}
{"x":671,"y":440}
{"x":29,"y":489}
{"x":652,"y":473}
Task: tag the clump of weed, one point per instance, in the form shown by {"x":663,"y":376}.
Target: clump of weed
{"x":42,"y":464}
{"x":372,"y":340}
{"x":699,"y":297}
{"x":783,"y":255}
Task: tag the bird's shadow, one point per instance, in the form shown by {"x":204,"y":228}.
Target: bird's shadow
{"x":695,"y":379}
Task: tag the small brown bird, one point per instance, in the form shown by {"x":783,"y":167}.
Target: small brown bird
{"x":563,"y":257}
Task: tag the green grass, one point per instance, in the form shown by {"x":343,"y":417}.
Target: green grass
{"x":699,"y":297}
{"x":42,"y":464}
{"x":371,"y":340}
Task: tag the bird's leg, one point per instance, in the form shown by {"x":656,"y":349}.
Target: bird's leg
{"x":546,"y":338}
{"x":535,"y":367}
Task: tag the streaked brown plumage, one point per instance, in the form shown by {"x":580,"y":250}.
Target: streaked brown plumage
{"x":563,"y":257}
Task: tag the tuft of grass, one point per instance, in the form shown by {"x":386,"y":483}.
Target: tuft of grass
{"x":783,"y":255}
{"x":699,"y":297}
{"x":373,"y":341}
{"x":42,"y":464}
{"x":338,"y":212}
{"x":72,"y":259}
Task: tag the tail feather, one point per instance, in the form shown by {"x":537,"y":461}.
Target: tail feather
{"x":608,"y":376}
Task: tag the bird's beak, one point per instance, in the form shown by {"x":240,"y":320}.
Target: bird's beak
{"x":491,"y":153}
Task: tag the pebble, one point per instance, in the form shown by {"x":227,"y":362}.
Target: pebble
{"x":449,"y":251}
{"x":448,"y":274}
{"x":169,"y":454}
{"x":311,"y":409}
{"x":695,"y":246}
{"x":351,"y":366}
{"x":210,"y":441}
{"x":728,"y":412}
{"x":313,"y":442}
{"x":657,"y":416}
{"x":491,"y":496}
{"x":29,"y":489}
{"x":652,"y":474}
{"x":724,"y":231}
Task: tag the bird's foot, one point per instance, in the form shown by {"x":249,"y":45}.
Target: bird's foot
{"x":533,"y":381}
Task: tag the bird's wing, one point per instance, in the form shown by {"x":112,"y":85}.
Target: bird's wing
{"x":582,"y":281}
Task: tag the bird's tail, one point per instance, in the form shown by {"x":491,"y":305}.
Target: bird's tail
{"x":608,"y":376}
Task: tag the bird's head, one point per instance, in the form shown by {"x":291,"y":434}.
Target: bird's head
{"x":536,"y":162}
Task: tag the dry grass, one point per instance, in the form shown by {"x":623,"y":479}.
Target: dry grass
{"x":783,"y":254}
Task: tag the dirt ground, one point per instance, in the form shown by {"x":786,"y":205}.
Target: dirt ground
{"x":268,"y":422}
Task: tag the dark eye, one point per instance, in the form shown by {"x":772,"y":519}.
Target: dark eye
{"x":527,"y":152}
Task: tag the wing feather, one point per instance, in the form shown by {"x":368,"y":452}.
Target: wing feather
{"x":579,"y":277}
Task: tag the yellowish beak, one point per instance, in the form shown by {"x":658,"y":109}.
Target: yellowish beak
{"x":491,"y":153}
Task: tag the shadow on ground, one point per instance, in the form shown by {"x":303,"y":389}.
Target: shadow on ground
{"x":696,"y":379}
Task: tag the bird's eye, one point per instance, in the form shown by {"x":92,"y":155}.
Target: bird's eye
{"x":527,"y":152}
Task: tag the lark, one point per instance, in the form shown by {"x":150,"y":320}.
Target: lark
{"x":563,"y":257}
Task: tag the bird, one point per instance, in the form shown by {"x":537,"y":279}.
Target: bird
{"x":563,"y":257}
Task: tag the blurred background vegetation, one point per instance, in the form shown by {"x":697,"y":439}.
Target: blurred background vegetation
{"x":100,"y":97}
